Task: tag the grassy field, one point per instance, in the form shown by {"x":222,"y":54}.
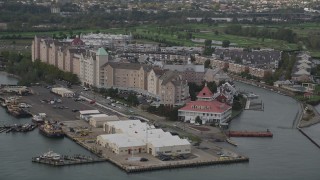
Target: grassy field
{"x":201,"y":31}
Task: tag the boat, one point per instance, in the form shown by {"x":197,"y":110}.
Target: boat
{"x":51,"y":129}
{"x":16,"y":111}
{"x":252,"y":96}
{"x":231,"y":142}
{"x":3,"y":104}
{"x":37,"y":119}
{"x":50,"y":155}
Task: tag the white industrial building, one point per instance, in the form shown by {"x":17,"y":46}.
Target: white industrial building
{"x":122,"y":144}
{"x":97,"y":120}
{"x":85,"y":115}
{"x":125,"y":137}
{"x":64,"y":92}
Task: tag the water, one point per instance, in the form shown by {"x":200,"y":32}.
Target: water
{"x":314,"y":131}
{"x":288,"y":155}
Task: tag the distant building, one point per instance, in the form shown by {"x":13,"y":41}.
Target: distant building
{"x":3,"y":26}
{"x":302,"y":69}
{"x":173,"y":89}
{"x":190,"y":72}
{"x":55,"y":10}
{"x":258,"y":63}
{"x":216,"y":75}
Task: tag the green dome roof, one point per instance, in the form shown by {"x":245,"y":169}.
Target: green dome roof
{"x":102,"y":52}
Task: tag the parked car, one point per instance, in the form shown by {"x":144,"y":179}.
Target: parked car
{"x":92,"y":102}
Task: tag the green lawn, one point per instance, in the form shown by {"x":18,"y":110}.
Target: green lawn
{"x":204,"y":31}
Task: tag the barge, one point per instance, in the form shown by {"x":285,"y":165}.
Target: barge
{"x":249,"y":133}
{"x":55,"y":159}
{"x":51,"y":129}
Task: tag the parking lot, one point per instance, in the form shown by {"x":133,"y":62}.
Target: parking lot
{"x":43,"y":101}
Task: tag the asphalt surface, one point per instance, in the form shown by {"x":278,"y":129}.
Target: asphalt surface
{"x":40,"y":102}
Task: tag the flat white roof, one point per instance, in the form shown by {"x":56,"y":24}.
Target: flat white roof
{"x":104,"y":118}
{"x":89,"y":112}
{"x":122,"y":140}
{"x":99,"y":115}
{"x":147,"y":134}
{"x":65,"y":90}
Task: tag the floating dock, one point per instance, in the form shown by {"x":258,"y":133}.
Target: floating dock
{"x":17,"y":128}
{"x":67,"y":161}
{"x":249,"y":133}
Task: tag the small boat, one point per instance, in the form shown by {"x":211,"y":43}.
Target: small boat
{"x":4,"y":104}
{"x":231,"y":142}
{"x":51,"y":156}
{"x":37,"y":119}
{"x":252,"y":96}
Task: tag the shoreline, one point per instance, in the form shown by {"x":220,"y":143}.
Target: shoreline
{"x":298,"y":123}
{"x":249,"y":82}
{"x":10,"y":75}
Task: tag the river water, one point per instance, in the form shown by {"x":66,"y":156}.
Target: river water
{"x":288,"y":155}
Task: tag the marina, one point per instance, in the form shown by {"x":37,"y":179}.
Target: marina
{"x":277,"y":117}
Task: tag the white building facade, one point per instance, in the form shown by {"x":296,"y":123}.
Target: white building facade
{"x":90,"y":67}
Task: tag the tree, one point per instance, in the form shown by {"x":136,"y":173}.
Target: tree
{"x":198,"y":120}
{"x":193,"y":89}
{"x":207,"y":63}
{"x":236,"y":104}
{"x":212,"y":86}
{"x":238,"y":60}
{"x":133,"y":99}
{"x":225,"y":43}
{"x":207,"y":43}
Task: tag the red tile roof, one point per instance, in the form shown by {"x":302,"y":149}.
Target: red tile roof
{"x":77,"y":41}
{"x":206,"y":106}
{"x":205,"y":93}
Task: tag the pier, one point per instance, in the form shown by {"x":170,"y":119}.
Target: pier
{"x":122,"y":161}
{"x":249,"y":133}
{"x":17,"y":128}
{"x":311,"y":140}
